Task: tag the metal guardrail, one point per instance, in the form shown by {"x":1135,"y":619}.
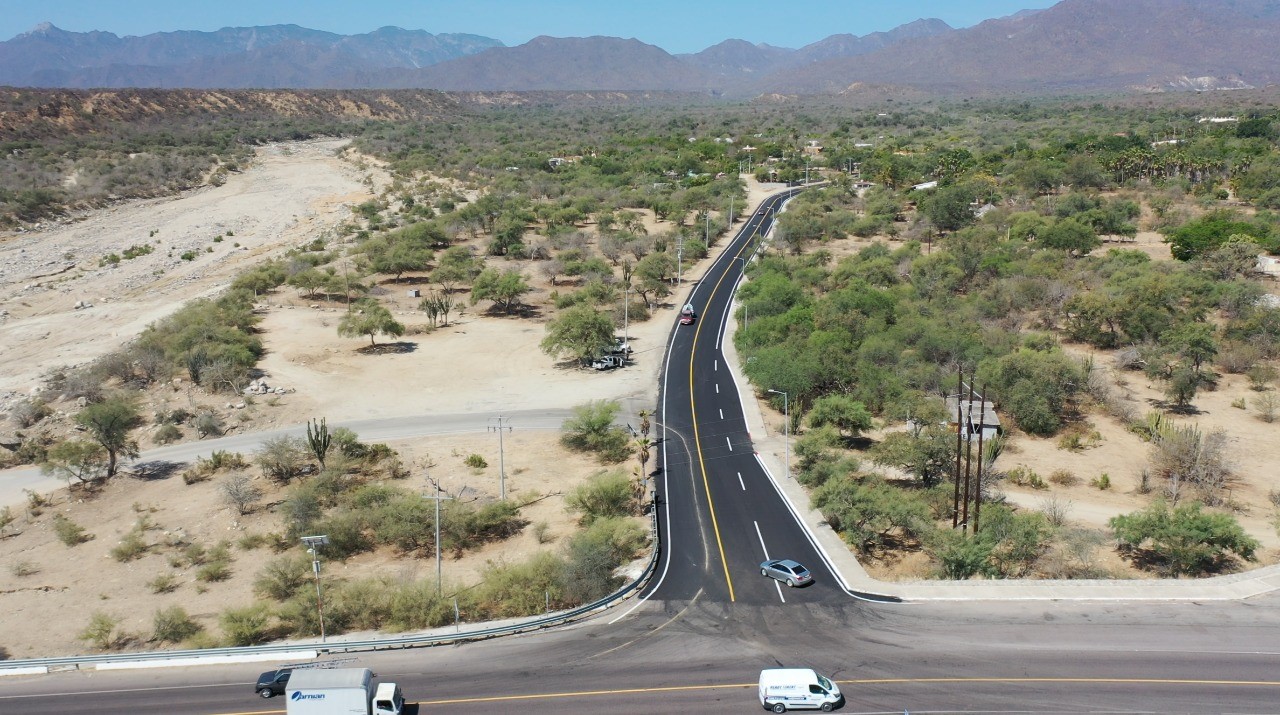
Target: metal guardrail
{"x":364,"y":645}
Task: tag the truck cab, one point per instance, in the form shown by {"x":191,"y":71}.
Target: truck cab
{"x":388,"y":700}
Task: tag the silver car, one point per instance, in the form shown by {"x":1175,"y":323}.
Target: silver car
{"x":790,"y":572}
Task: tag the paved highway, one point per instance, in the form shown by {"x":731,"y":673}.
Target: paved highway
{"x":709,"y":621}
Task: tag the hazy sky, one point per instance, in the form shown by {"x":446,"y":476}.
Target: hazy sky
{"x":674,"y":25}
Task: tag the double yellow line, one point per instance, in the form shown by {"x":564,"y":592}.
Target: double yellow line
{"x":693,"y":411}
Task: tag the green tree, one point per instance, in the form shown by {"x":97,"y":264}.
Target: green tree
{"x":928,"y":453}
{"x":369,"y":319}
{"x":842,"y":412}
{"x":309,"y":280}
{"x":402,"y":257}
{"x":76,"y":459}
{"x":109,"y":423}
{"x":1070,"y":235}
{"x":580,"y":331}
{"x":504,"y":288}
{"x":1186,"y":539}
{"x":653,"y":275}
{"x":949,"y":207}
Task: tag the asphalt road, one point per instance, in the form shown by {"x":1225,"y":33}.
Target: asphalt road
{"x":709,"y":622}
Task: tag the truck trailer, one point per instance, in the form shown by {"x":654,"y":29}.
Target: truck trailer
{"x":341,"y":691}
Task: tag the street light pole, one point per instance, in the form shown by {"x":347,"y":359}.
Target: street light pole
{"x":626,"y":315}
{"x":313,"y":544}
{"x":786,"y":408}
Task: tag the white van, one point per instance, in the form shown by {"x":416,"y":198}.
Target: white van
{"x":783,"y":689}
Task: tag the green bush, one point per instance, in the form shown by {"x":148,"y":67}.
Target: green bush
{"x":514,"y":590}
{"x":69,"y":532}
{"x":1185,"y":539}
{"x":173,"y":625}
{"x":168,"y":434}
{"x":867,"y":512}
{"x":606,"y":494}
{"x":164,"y":583}
{"x":282,"y":578}
{"x":591,"y":429}
{"x":247,"y":625}
{"x":594,"y":555}
{"x":132,"y":546}
{"x":476,"y":461}
{"x":102,"y":632}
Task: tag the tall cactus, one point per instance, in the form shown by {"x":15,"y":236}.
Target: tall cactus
{"x":319,"y":439}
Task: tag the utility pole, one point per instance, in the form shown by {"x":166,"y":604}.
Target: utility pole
{"x":955,"y":506}
{"x":502,"y":461}
{"x":438,"y":498}
{"x":313,"y":544}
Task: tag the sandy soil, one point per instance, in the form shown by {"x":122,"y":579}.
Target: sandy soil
{"x":292,"y":194}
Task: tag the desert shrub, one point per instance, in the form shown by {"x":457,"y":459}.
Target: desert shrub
{"x":419,"y":605}
{"x":1063,"y":478}
{"x":346,"y":533}
{"x":606,"y":494}
{"x":594,"y":554}
{"x":132,"y":545}
{"x":541,"y":532}
{"x":1261,"y":376}
{"x":173,"y":625}
{"x":214,"y":571}
{"x":69,"y":532}
{"x":283,"y":458}
{"x":591,"y":429}
{"x":1188,"y":457}
{"x":1017,"y":539}
{"x":1025,"y":477}
{"x":168,"y":434}
{"x":28,"y":412}
{"x":959,"y":555}
{"x":208,"y":424}
{"x":23,"y":568}
{"x":1101,"y":482}
{"x":1267,"y":404}
{"x":222,"y":459}
{"x":1240,"y":403}
{"x":1185,"y":539}
{"x":513,"y":590}
{"x":404,"y":521}
{"x":249,"y":542}
{"x":102,"y":632}
{"x":239,"y":492}
{"x":282,"y":578}
{"x":246,"y":625}
{"x":465,"y":526}
{"x":476,"y":461}
{"x":866,"y":512}
{"x":1055,"y":510}
{"x":164,"y":583}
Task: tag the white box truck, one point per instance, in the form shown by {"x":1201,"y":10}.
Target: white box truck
{"x":783,"y":689}
{"x":340,"y":691}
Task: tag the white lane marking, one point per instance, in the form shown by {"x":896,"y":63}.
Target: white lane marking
{"x":742,"y":483}
{"x":765,"y":549}
{"x":721,"y":414}
{"x":726,"y":441}
{"x":717,"y":388}
{"x":760,"y":536}
{"x":715,"y":366}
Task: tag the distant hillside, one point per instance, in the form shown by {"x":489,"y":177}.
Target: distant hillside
{"x":1074,"y":46}
{"x":274,"y":56}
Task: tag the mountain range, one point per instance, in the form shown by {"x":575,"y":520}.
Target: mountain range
{"x":1073,"y":46}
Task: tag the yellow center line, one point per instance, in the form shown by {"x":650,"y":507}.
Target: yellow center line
{"x":693,"y":411}
{"x":869,"y":681}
